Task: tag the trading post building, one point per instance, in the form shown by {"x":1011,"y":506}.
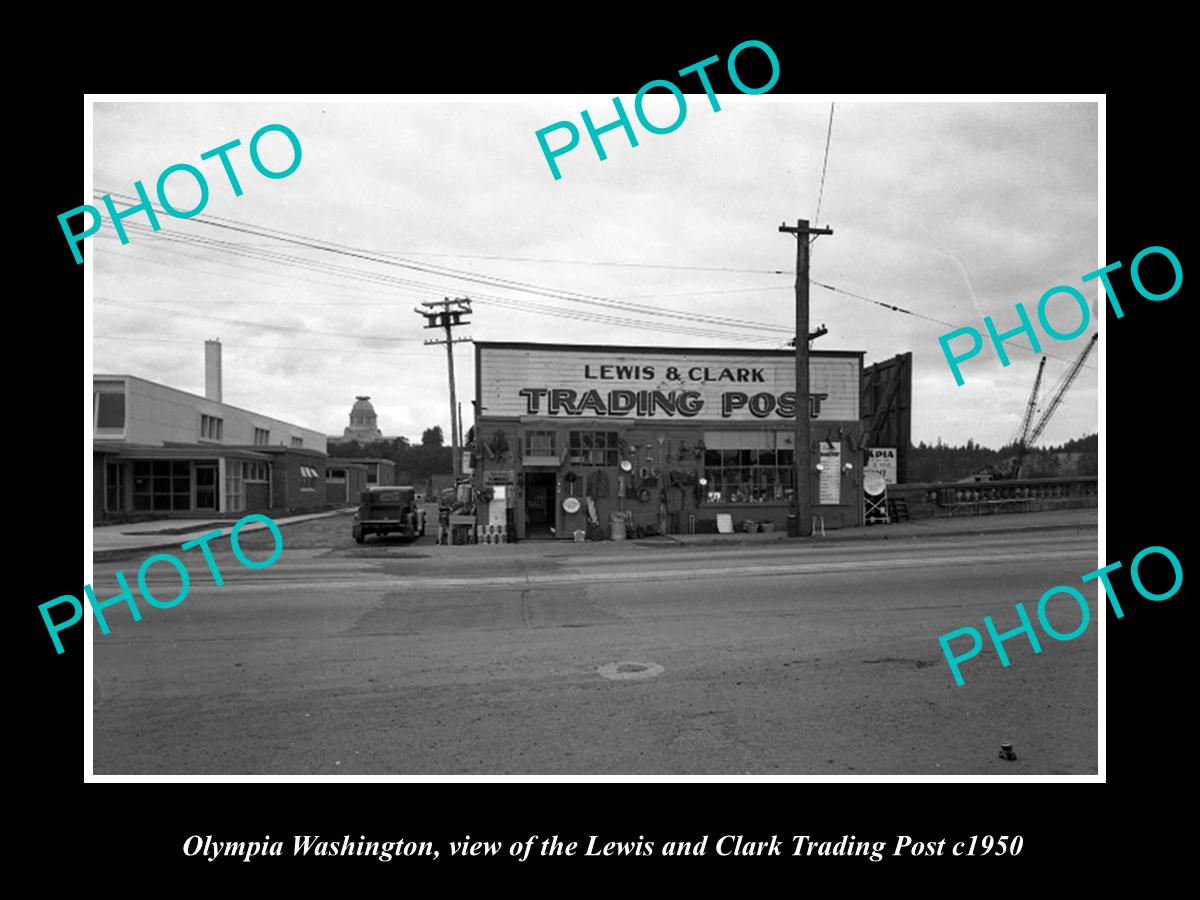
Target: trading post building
{"x":671,"y":437}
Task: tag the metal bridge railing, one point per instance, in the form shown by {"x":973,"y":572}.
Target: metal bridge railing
{"x":973,"y":498}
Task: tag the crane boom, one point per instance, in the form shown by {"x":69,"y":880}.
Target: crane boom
{"x":1022,"y":437}
{"x":1067,"y":381}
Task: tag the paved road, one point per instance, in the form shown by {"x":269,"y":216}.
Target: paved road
{"x":774,"y":660}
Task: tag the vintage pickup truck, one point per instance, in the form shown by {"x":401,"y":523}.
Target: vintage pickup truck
{"x":389,"y":509}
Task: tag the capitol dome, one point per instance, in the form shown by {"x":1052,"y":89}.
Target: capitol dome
{"x":363,"y":421}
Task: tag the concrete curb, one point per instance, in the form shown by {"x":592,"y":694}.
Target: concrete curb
{"x":850,"y":535}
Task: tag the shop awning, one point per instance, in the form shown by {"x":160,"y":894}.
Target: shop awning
{"x":309,"y":472}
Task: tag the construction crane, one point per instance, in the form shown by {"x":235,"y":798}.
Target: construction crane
{"x":1028,"y":433}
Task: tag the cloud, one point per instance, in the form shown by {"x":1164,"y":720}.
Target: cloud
{"x":930,"y":203}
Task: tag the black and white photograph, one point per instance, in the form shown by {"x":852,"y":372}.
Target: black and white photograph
{"x":703,"y":431}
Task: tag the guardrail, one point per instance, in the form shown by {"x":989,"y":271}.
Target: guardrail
{"x":973,"y":498}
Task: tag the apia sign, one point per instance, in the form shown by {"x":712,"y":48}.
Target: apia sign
{"x":883,"y":461}
{"x":528,"y":380}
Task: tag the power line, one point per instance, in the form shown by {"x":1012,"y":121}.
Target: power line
{"x":589,"y":262}
{"x":584,"y":316}
{"x":498,"y":257}
{"x":448,"y":272}
{"x":523,"y":306}
{"x":909,"y":312}
{"x":264,"y":325}
{"x":745,"y":290}
{"x":890,"y":306}
{"x":824,"y":166}
{"x":240,"y":346}
{"x":421,"y":286}
{"x":239,"y":273}
{"x":378,"y":278}
{"x":495,"y":282}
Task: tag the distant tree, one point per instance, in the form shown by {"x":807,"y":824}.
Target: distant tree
{"x":420,"y":461}
{"x":345,"y":449}
{"x":946,"y":462}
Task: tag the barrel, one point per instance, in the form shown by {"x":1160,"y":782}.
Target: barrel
{"x":617,"y":527}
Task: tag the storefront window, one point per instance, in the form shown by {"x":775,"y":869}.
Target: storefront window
{"x":162,"y":485}
{"x":594,"y":448}
{"x":540,"y":443}
{"x":749,"y":467}
{"x":234,"y":497}
{"x":114,"y":481}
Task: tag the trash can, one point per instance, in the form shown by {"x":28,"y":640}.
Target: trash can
{"x":617,"y":526}
{"x":792,"y":529}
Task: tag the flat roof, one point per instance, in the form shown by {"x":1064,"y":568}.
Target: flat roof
{"x":276,"y":449}
{"x":104,"y":376}
{"x":204,"y":451}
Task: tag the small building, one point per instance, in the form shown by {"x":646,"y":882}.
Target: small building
{"x":379,"y":471}
{"x":345,"y":480}
{"x":157,"y":449}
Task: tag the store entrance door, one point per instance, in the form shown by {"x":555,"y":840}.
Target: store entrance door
{"x":206,"y":487}
{"x":539,"y":505}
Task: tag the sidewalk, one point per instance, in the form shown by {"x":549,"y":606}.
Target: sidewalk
{"x":166,"y":533}
{"x":921,"y":529}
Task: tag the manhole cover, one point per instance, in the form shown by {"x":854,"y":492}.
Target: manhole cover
{"x":629,"y":671}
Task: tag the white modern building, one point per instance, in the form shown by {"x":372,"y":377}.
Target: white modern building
{"x":159,"y":449}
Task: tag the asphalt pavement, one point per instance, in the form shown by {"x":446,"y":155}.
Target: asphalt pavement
{"x":816,"y":657}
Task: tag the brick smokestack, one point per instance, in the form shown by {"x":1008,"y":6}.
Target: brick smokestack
{"x":212,"y":370}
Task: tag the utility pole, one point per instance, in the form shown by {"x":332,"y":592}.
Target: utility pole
{"x":812,"y":335}
{"x":448,"y":314}
{"x":803,"y":451}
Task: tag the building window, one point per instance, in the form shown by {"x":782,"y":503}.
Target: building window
{"x":162,"y":485}
{"x":594,"y":448}
{"x":308,"y":478}
{"x":297,"y":441}
{"x":335,"y":474}
{"x":108,"y":410}
{"x":114,"y":483}
{"x":749,"y":467}
{"x":372,"y":474}
{"x":211,"y":427}
{"x":235,"y":497}
{"x":541,"y":443}
{"x":255,"y":471}
{"x":262,"y":437}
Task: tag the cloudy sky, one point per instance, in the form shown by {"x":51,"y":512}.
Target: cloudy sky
{"x":952,"y":211}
